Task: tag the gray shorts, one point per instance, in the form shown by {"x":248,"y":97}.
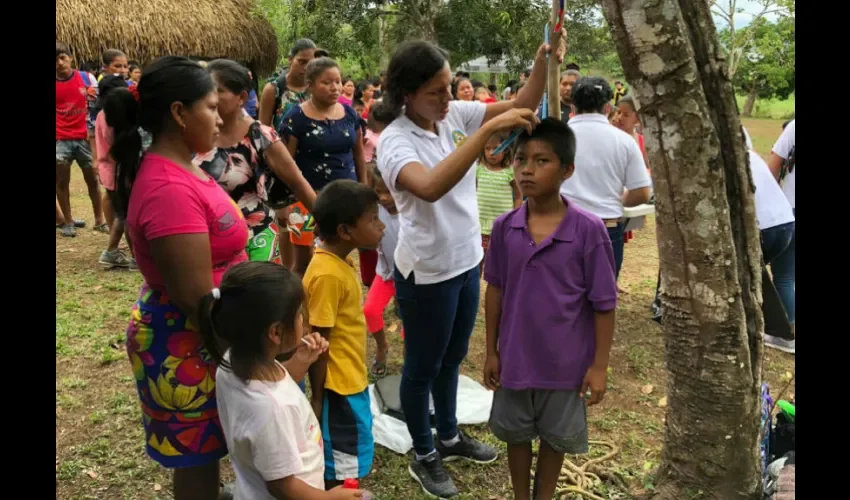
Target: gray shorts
{"x":70,"y":151}
{"x":557,"y":417}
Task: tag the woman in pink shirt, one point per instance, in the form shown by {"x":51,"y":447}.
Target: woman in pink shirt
{"x":112,"y":256}
{"x":186,"y":233}
{"x":347,"y":96}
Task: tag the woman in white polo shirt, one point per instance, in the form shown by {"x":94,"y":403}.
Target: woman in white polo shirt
{"x":425,"y":155}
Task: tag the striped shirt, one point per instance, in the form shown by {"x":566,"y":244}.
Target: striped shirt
{"x":495,"y":195}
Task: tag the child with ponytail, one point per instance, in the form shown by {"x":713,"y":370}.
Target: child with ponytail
{"x":271,"y":431}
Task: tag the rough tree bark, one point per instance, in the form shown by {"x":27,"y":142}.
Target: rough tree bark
{"x":708,"y":244}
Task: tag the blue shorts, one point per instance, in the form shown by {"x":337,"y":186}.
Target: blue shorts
{"x":347,"y":435}
{"x":68,"y":152}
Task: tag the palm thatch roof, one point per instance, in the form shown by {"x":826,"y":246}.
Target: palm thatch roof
{"x":147,"y":29}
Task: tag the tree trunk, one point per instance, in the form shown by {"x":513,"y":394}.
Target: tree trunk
{"x":708,"y":245}
{"x":751,"y":102}
{"x":423,"y":16}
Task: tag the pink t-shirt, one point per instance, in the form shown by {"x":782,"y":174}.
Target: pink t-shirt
{"x":344,"y":100}
{"x":167,"y":200}
{"x":370,"y":141}
{"x":103,"y":143}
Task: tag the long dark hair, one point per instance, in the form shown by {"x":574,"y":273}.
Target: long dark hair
{"x":252,"y":297}
{"x":165,"y":81}
{"x":413,"y":64}
{"x":232,"y":75}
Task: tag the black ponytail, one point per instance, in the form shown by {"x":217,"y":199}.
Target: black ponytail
{"x":253,"y":296}
{"x":412,"y":65}
{"x":165,"y":81}
{"x":122,"y":114}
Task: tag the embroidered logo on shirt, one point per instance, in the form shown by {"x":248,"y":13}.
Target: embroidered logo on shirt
{"x":458,"y":138}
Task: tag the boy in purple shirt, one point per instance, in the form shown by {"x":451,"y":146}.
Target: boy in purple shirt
{"x":549,"y":307}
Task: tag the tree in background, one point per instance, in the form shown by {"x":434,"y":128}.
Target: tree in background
{"x":736,"y":42}
{"x":708,"y":246}
{"x":362,"y":35}
{"x":767,"y":69}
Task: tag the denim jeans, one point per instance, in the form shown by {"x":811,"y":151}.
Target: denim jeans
{"x":438,"y":320}
{"x":618,"y":242}
{"x":778,"y":247}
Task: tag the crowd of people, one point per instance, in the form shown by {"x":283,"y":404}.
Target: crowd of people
{"x":242,"y":211}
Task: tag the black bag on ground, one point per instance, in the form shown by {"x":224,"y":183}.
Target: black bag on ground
{"x":389,"y":400}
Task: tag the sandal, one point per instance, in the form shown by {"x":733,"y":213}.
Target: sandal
{"x":379,"y":369}
{"x":79,"y":224}
{"x":102,"y":228}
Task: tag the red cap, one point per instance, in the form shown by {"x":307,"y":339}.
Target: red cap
{"x":351,"y":484}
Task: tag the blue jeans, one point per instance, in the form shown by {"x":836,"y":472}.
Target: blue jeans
{"x":779,"y":250}
{"x":618,"y":242}
{"x":438,"y":321}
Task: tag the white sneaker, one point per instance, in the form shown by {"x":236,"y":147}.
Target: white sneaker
{"x":780,"y":344}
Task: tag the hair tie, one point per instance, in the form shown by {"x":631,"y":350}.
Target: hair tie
{"x":216,"y":293}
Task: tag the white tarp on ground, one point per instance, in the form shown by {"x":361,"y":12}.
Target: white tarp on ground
{"x":473,"y":407}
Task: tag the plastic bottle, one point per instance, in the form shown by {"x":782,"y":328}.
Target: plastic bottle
{"x":353,"y":484}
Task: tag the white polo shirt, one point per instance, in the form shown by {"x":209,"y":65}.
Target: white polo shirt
{"x":782,"y":148}
{"x":772,"y":207}
{"x":437,"y":241}
{"x":608,"y":161}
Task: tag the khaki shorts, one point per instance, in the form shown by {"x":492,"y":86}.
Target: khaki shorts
{"x":557,"y":417}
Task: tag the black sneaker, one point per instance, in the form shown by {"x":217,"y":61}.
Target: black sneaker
{"x":468,"y":449}
{"x":431,"y":475}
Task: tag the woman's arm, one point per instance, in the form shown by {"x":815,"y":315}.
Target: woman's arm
{"x":360,"y":157}
{"x":279,"y":159}
{"x":431,"y":184}
{"x":266,"y":112}
{"x":532,"y":92}
{"x":517,"y":193}
{"x":185,"y":263}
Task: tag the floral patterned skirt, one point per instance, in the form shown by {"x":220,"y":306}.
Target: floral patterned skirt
{"x":175,"y":379}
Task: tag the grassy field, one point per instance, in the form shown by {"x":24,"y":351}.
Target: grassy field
{"x":99,"y":437}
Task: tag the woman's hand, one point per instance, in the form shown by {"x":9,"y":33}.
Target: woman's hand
{"x":513,"y":119}
{"x":544,"y":49}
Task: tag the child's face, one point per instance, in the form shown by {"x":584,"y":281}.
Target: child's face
{"x":368,"y":231}
{"x":136,"y":75}
{"x":625,"y":118}
{"x":64,"y":65}
{"x":538,"y":170}
{"x":385,"y":199}
{"x":359,"y":108}
{"x":492,"y":145}
{"x":118,"y":66}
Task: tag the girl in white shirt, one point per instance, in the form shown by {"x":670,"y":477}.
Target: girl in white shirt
{"x":274,"y":438}
{"x":425,"y":157}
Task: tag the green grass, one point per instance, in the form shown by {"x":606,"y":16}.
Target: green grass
{"x":774,"y":109}
{"x":98,"y":418}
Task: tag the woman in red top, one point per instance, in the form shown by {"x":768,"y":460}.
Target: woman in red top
{"x":186,"y":233}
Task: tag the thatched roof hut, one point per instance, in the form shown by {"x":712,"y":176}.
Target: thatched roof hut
{"x":147,"y":29}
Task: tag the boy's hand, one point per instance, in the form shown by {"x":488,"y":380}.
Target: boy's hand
{"x":492,"y":372}
{"x":309,"y":352}
{"x":340,"y":493}
{"x":595,"y":380}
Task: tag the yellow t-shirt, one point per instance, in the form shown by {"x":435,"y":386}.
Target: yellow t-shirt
{"x":334,"y":300}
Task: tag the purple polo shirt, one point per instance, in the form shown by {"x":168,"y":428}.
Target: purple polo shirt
{"x":550,"y":293}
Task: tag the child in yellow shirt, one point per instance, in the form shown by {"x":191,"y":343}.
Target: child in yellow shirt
{"x":346,"y":216}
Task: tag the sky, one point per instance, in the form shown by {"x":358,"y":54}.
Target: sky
{"x":751,"y":8}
